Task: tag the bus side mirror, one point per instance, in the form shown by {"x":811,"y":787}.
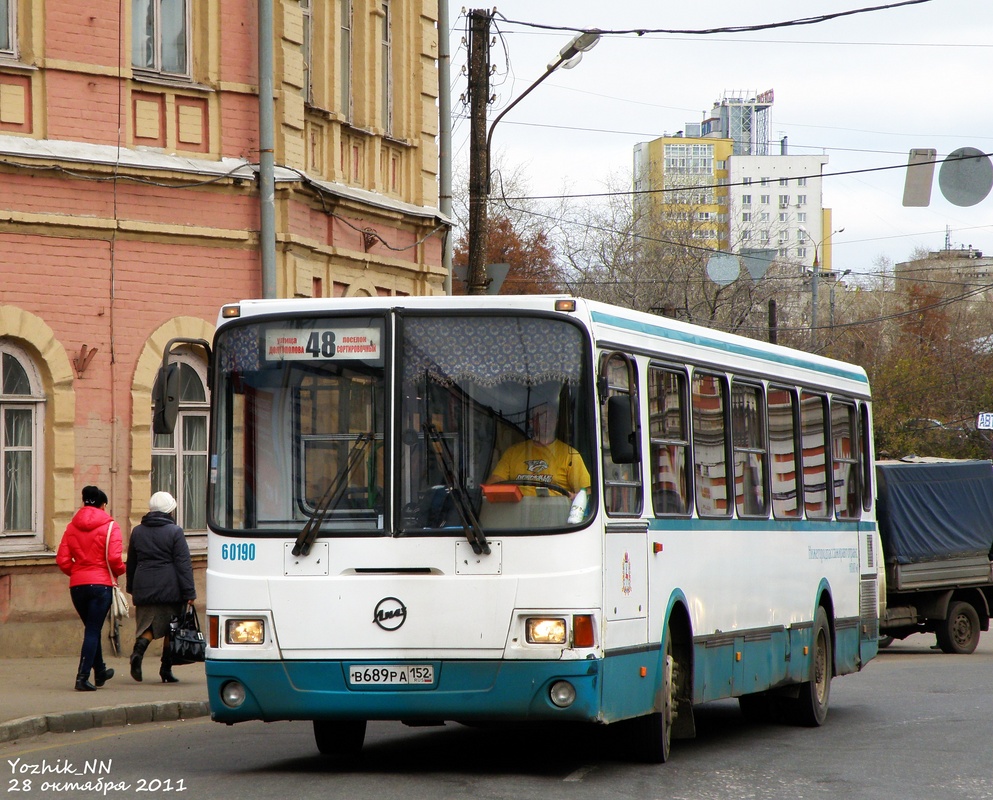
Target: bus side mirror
{"x":165,"y":399}
{"x":620,"y":430}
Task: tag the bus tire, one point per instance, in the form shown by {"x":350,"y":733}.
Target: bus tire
{"x":811,"y":706}
{"x":650,"y":736}
{"x":342,"y":737}
{"x":958,"y":633}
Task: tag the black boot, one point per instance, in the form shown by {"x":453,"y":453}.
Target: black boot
{"x":83,"y":678}
{"x":165,"y":671}
{"x":102,"y":675}
{"x":140,"y":646}
{"x":83,"y":683}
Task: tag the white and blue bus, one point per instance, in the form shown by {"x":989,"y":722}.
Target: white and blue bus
{"x":367,"y":559}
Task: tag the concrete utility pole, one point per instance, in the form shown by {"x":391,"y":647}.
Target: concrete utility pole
{"x":815,"y":274}
{"x":479,"y":160}
{"x":480,"y":138}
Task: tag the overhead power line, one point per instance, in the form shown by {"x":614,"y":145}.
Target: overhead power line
{"x":815,"y":20}
{"x":695,"y":187}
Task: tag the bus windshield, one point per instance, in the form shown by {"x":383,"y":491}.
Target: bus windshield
{"x":299,"y":425}
{"x":402,"y":424}
{"x":495,"y":419}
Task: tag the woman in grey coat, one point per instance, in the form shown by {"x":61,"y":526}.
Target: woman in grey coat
{"x":159,"y":579}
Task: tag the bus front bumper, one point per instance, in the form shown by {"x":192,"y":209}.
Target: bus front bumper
{"x":466,"y":691}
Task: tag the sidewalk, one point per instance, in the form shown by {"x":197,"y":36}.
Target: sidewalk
{"x":37,"y":696}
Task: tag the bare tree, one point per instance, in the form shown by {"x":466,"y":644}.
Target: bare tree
{"x":520,"y":232}
{"x":922,"y":336}
{"x":658,"y":259}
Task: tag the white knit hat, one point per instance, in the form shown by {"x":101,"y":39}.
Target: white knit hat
{"x":162,"y":501}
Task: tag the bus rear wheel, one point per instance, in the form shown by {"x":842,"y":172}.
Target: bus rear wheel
{"x":811,"y":706}
{"x":339,"y":737}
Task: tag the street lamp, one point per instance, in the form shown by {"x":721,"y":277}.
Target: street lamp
{"x":814,"y":275}
{"x":567,"y":58}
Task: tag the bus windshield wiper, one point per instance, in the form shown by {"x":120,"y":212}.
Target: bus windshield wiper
{"x":470,"y":524}
{"x":331,"y":497}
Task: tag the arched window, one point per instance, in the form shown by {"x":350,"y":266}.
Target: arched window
{"x":21,"y":448}
{"x":179,"y":459}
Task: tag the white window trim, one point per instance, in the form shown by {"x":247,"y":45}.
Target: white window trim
{"x":307,"y":48}
{"x":386,"y":67}
{"x":187,"y":408}
{"x":346,"y":30}
{"x":11,"y":52}
{"x":156,"y":70}
{"x":22,"y":541}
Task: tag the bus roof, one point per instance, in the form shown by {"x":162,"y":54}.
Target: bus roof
{"x":611,"y":325}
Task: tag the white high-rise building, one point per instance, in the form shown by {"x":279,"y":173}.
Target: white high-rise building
{"x":769,"y":200}
{"x":775,"y":203}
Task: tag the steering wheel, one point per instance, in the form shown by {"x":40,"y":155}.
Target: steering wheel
{"x":540,"y":484}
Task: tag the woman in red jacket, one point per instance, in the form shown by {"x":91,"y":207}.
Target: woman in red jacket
{"x":88,"y":558}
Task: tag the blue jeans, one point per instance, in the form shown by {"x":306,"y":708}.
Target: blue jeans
{"x":92,"y":602}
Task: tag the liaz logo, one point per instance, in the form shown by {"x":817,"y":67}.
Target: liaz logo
{"x":390,"y":614}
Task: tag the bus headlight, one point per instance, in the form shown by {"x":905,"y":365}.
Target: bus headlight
{"x":232,"y":694}
{"x":244,"y":631}
{"x":545,"y":630}
{"x":562,"y":694}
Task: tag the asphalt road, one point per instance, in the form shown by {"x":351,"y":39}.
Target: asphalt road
{"x":915,"y":724}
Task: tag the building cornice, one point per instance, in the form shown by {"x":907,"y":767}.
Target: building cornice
{"x":54,"y":151}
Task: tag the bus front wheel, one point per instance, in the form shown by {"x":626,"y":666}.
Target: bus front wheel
{"x":339,"y":737}
{"x":650,"y":736}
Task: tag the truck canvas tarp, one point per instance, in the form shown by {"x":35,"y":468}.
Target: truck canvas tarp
{"x":935,"y":511}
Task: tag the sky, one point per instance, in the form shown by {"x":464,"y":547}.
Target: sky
{"x":862,"y":88}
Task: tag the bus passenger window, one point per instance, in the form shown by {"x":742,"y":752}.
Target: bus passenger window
{"x":750,"y":462}
{"x":622,"y":482}
{"x":710,"y":442}
{"x":667,"y":425}
{"x":845,"y":455}
{"x":817,"y":492}
{"x":865,"y":453}
{"x":782,"y":452}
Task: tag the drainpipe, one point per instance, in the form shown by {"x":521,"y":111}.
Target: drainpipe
{"x":267,"y":170}
{"x":445,"y":136}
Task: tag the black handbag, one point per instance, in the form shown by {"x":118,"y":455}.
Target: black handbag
{"x":186,"y":642}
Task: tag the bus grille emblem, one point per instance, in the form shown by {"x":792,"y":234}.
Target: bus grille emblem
{"x":390,"y":614}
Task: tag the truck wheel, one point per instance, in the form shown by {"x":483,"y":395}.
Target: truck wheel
{"x":339,"y":737}
{"x":959,"y":632}
{"x":811,"y":707}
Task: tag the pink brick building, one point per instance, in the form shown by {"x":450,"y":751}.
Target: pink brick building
{"x":129,"y":213}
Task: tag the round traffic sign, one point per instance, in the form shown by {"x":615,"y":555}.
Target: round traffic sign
{"x":966,"y":176}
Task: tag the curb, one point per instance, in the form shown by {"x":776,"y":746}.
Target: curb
{"x":103,"y":717}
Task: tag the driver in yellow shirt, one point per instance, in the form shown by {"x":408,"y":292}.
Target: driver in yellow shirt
{"x":543,"y":459}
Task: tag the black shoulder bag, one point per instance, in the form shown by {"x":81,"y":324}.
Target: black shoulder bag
{"x":186,"y":642}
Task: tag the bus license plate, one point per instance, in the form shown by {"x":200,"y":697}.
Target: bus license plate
{"x":391,"y":674}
